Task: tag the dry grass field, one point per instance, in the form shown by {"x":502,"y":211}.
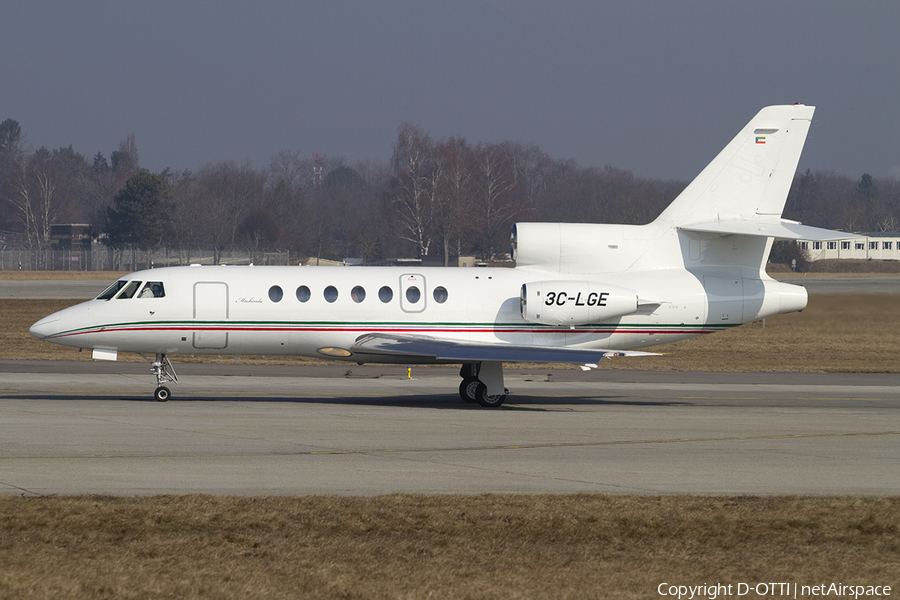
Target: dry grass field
{"x":403,"y":546}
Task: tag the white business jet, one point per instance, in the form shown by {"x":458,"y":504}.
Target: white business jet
{"x":578,"y":293}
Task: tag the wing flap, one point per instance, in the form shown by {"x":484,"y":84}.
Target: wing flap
{"x":450,"y":351}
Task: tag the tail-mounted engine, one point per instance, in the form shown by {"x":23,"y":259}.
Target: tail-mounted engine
{"x":575,"y":302}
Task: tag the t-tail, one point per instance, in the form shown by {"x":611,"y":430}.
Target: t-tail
{"x":727,"y":217}
{"x":718,"y":232}
{"x":742,"y":192}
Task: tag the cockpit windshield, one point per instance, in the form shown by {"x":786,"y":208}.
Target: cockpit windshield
{"x":123,"y":290}
{"x":129,"y":290}
{"x":112,"y":290}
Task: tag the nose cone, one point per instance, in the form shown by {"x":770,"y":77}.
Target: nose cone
{"x":45,"y":327}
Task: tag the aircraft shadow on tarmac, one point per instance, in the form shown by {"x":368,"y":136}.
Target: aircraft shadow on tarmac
{"x":443,"y":402}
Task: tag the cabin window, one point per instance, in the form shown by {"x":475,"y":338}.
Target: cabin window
{"x":845,"y":245}
{"x":873,"y":245}
{"x":358,"y":293}
{"x":413,"y":294}
{"x":832,"y":245}
{"x":817,"y":245}
{"x":112,"y":290}
{"x":860,"y":246}
{"x":129,"y":290}
{"x":331,"y":293}
{"x":153,"y":289}
{"x":303,"y":294}
{"x":276,"y":293}
{"x":440,"y":294}
{"x":887,"y":245}
{"x":385,"y":294}
{"x":804,"y":245}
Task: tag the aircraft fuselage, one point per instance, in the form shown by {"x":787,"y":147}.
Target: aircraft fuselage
{"x":301,"y":310}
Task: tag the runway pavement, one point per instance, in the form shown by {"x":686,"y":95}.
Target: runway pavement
{"x":49,"y":289}
{"x":72,"y":428}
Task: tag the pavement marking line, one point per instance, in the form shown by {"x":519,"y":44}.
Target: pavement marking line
{"x":463,"y":449}
{"x":857,"y":399}
{"x":212,"y":396}
{"x":755,"y":398}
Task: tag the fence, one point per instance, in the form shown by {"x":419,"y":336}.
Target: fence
{"x":109,"y":259}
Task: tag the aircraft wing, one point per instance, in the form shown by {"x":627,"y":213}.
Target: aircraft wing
{"x":418,"y":346}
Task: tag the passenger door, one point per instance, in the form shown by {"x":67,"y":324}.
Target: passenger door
{"x":211,"y":315}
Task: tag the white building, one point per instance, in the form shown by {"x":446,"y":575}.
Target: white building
{"x":875,"y":246}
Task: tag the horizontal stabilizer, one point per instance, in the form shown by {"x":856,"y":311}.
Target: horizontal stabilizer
{"x":782,"y":229}
{"x":450,"y":351}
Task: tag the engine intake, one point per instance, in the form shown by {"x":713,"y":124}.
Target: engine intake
{"x":575,"y":302}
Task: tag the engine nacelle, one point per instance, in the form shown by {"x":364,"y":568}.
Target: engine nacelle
{"x":575,"y":302}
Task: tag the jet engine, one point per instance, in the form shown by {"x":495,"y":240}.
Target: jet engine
{"x":575,"y":302}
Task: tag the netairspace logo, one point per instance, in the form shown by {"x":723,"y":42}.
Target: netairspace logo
{"x":771,"y":590}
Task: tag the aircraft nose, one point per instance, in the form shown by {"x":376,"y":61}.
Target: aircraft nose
{"x":45,"y":327}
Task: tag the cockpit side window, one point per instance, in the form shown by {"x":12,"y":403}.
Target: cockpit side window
{"x":112,"y":290}
{"x":153,"y":289}
{"x":129,"y":290}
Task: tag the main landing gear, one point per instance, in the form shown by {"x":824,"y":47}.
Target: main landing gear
{"x":477,"y":379}
{"x":165,"y":373}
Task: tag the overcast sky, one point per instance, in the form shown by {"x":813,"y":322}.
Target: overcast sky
{"x":654,"y":87}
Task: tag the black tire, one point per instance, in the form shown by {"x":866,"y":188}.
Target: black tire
{"x":487,"y":401}
{"x":467,"y":389}
{"x":162,"y":394}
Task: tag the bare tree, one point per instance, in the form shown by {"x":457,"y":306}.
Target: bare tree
{"x":452,"y":193}
{"x":411,"y":164}
{"x":376,"y":174}
{"x":226,"y":193}
{"x":290,"y":168}
{"x":288,"y":206}
{"x":38,"y":194}
{"x":187,"y":214}
{"x":498,"y":198}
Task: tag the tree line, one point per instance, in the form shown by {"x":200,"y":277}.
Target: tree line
{"x":435,"y":197}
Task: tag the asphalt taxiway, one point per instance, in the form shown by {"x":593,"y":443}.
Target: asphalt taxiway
{"x":84,"y":427}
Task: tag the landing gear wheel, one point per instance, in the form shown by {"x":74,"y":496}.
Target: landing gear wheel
{"x":467,"y":389}
{"x":487,"y":401}
{"x":165,"y":373}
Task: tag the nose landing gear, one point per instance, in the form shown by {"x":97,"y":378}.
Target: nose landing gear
{"x":165,"y":373}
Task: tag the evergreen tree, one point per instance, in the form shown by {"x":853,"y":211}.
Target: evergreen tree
{"x":139,"y":215}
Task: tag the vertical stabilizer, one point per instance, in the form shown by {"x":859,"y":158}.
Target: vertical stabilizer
{"x":751,"y":177}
